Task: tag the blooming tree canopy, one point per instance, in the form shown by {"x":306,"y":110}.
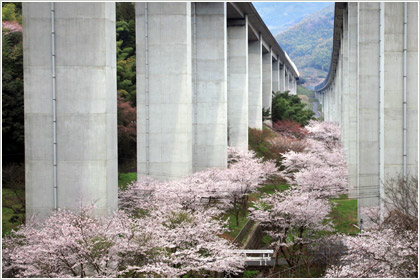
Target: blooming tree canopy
{"x":321,"y":168}
{"x":378,"y":254}
{"x":164,"y":229}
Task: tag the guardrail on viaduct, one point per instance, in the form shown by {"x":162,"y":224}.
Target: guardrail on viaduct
{"x":204,"y":73}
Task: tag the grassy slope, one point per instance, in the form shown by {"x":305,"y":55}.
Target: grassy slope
{"x":301,"y":90}
{"x":344,"y":215}
{"x":125,"y":178}
{"x":305,"y":100}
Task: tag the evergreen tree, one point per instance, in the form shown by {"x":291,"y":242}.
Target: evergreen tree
{"x":289,"y":107}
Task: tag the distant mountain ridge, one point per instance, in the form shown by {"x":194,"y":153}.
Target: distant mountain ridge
{"x":279,"y":16}
{"x":309,"y":45}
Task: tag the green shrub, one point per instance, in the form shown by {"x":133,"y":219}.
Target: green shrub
{"x":289,"y":107}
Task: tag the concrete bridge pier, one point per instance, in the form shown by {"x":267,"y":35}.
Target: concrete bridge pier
{"x":267,"y":70}
{"x":350,"y":136}
{"x":294,"y":85}
{"x":286,"y":79}
{"x":164,"y":89}
{"x":276,"y":75}
{"x":368,"y":56}
{"x":255,"y":83}
{"x":238,"y":83}
{"x":290,"y":83}
{"x":210,"y":85}
{"x":75,"y":68}
{"x":282,"y":77}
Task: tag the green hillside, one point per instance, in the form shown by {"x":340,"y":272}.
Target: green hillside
{"x":309,"y":45}
{"x":280,"y":16}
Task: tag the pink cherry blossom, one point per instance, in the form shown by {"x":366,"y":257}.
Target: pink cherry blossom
{"x":290,"y":217}
{"x":378,"y":254}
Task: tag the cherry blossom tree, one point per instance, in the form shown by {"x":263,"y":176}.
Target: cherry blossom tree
{"x":11,"y":26}
{"x":388,"y":246}
{"x":378,"y":254}
{"x":294,"y":217}
{"x":281,"y":144}
{"x":167,"y":242}
{"x":327,"y":132}
{"x":162,"y":230}
{"x":218,"y":189}
{"x":321,"y":182}
{"x":296,"y":161}
{"x":69,"y":244}
{"x":192,"y":244}
{"x":247,"y":173}
{"x":291,"y":218}
{"x":321,"y":168}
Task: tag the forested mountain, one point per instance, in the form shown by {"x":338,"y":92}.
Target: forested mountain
{"x":279,"y":16}
{"x":309,"y":45}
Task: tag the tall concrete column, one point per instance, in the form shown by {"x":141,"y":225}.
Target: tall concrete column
{"x":276,"y":75}
{"x":238,"y":85}
{"x":338,"y":93}
{"x":325,"y":103}
{"x":164,"y":95}
{"x":286,"y":80}
{"x":352,"y":89}
{"x":291,"y":84}
{"x":412,"y":87}
{"x":86,"y":107}
{"x":328,"y":104}
{"x":368,"y":31}
{"x":210,"y":89}
{"x":282,"y":78}
{"x":331,"y":98}
{"x":267,"y":79}
{"x":332,"y":102}
{"x":344,"y":84}
{"x":393,"y":92}
{"x":255,"y":84}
